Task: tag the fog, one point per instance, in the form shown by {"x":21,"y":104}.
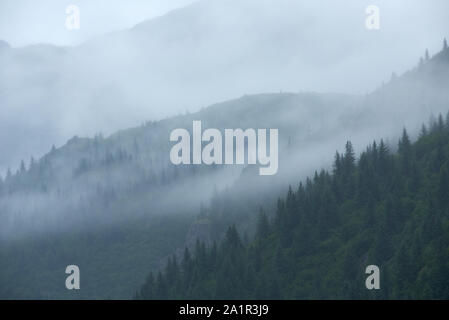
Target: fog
{"x":172,"y":68}
{"x":23,"y":22}
{"x":95,"y":183}
{"x":210,"y":51}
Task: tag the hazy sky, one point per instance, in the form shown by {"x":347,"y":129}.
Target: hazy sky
{"x":24,"y":22}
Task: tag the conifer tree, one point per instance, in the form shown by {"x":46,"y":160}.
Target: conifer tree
{"x":262,"y":225}
{"x":349,"y":157}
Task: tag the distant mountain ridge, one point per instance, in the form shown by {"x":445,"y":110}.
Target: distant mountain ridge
{"x":192,"y":57}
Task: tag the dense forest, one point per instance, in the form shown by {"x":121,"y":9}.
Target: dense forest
{"x":389,"y":208}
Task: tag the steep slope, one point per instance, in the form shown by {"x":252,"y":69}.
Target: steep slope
{"x":129,"y":173}
{"x":388,"y":210}
{"x":132,"y":165}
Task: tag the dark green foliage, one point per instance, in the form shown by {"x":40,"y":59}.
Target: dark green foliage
{"x":113,"y":260}
{"x":391,"y":210}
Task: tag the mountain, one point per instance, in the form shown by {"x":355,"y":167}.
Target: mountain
{"x":386,"y":209}
{"x":210,"y":51}
{"x":131,"y":168}
{"x":121,"y":193}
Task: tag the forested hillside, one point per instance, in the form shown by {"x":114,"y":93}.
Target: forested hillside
{"x":119,"y":199}
{"x":113,"y":261}
{"x":390,"y":209}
